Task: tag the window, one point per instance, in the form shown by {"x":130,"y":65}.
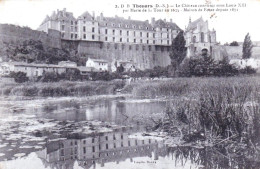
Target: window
{"x":105,"y":38}
{"x":141,"y":34}
{"x":62,"y":35}
{"x":129,"y":143}
{"x":130,"y":47}
{"x":113,"y":39}
{"x":143,"y":48}
{"x":93,"y":29}
{"x":113,"y":32}
{"x":194,"y":39}
{"x":209,"y":39}
{"x":150,"y":48}
{"x":147,"y":41}
{"x":141,"y":41}
{"x":127,"y":33}
{"x":76,"y":29}
{"x":134,"y":33}
{"x":71,"y":28}
{"x":76,"y":36}
{"x":120,"y":39}
{"x":71,"y":36}
{"x":115,"y":46}
{"x":127,"y":39}
{"x":76,"y":22}
{"x":93,"y":140}
{"x":122,"y":145}
{"x":71,"y":22}
{"x":93,"y":149}
{"x":135,"y":142}
{"x":105,"y":31}
{"x":122,"y":136}
{"x":62,"y":27}
{"x":202,"y":37}
{"x":147,"y":35}
{"x":106,"y":138}
{"x":114,"y":145}
{"x":153,"y":35}
{"x":153,"y":41}
{"x":106,"y":146}
{"x":84,"y":36}
{"x":84,"y":141}
{"x":168,"y":42}
{"x":120,"y":32}
{"x":84,"y":28}
{"x":134,"y":40}
{"x":93,"y":36}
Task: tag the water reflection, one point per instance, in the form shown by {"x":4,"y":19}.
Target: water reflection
{"x":100,"y":149}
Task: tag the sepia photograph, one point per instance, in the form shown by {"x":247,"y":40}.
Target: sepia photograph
{"x":140,"y":84}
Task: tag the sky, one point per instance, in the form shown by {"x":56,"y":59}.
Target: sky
{"x":230,"y":26}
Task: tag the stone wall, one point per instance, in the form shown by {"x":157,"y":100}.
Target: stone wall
{"x":143,"y":56}
{"x":14,"y":34}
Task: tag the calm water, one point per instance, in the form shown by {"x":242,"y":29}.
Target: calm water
{"x":97,"y":132}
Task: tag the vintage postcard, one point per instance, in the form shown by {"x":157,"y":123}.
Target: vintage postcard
{"x":140,"y":84}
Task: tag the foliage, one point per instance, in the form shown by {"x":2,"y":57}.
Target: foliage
{"x":19,"y":77}
{"x":178,"y":50}
{"x":247,"y":47}
{"x":234,"y":43}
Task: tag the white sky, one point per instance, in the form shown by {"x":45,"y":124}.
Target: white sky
{"x":229,"y":25}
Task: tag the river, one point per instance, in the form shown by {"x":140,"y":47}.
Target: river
{"x":90,"y":132}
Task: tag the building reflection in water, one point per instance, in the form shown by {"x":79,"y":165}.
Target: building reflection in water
{"x":99,"y":148}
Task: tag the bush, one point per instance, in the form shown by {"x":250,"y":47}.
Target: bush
{"x":19,"y":77}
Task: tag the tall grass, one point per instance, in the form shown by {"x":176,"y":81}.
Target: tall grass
{"x":65,"y":88}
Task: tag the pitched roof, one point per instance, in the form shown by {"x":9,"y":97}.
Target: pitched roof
{"x":193,"y":24}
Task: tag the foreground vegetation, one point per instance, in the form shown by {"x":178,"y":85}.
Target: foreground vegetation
{"x":62,"y":88}
{"x":210,"y":112}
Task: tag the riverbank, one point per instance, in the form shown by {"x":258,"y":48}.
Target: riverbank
{"x":60,"y":89}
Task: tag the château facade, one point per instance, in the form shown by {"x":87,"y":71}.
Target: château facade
{"x":116,"y":29}
{"x":198,"y":37}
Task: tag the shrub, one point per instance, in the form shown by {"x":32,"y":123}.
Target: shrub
{"x":19,"y":77}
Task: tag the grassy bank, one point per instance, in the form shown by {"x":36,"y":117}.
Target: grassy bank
{"x":187,"y":86}
{"x":64,"y":88}
{"x":222,"y":113}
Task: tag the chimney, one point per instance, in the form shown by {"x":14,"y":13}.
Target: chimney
{"x":171,"y":20}
{"x":129,"y":17}
{"x":101,"y":16}
{"x":93,"y":14}
{"x":153,"y":21}
{"x":64,"y":11}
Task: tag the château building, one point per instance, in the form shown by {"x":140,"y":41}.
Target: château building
{"x":145,"y":44}
{"x":198,"y":36}
{"x":116,"y":29}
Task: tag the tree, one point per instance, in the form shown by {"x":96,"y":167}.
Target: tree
{"x":247,"y":47}
{"x":178,"y":50}
{"x":19,"y":77}
{"x":120,"y":69}
{"x":234,"y":43}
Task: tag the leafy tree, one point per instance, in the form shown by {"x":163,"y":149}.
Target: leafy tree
{"x":234,"y":43}
{"x":247,"y":47}
{"x":178,"y":50}
{"x":120,"y":69}
{"x":19,"y":77}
